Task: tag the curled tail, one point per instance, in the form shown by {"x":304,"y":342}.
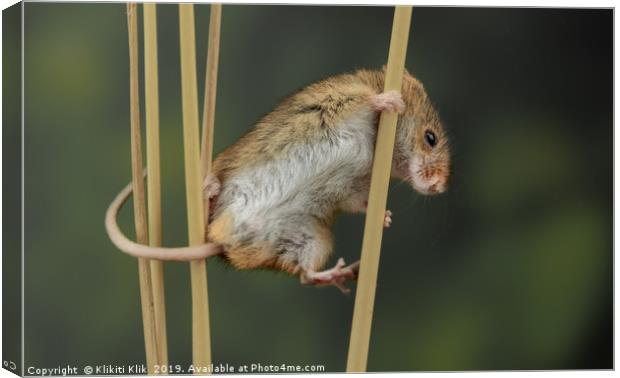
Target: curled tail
{"x":195,"y":252}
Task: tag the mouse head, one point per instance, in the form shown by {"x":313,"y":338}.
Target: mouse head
{"x":421,"y":155}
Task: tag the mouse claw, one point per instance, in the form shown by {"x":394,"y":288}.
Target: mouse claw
{"x":339,"y":282}
{"x":391,"y":101}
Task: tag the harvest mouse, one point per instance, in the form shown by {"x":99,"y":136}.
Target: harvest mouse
{"x":275,"y":192}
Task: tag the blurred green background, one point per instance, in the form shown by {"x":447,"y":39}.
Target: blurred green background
{"x":510,"y":269}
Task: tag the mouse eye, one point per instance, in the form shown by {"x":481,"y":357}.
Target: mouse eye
{"x":430,"y":138}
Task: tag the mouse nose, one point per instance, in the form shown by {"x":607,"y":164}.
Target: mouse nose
{"x":438,"y":187}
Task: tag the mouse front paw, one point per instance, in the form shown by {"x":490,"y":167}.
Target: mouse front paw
{"x":391,"y":101}
{"x":211,"y":186}
{"x":387,"y":219}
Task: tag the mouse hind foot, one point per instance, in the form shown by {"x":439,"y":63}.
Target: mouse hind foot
{"x":336,"y":276}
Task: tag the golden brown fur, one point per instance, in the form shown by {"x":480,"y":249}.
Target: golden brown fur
{"x":308,"y":117}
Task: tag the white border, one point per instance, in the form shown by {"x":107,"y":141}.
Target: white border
{"x":23,"y":229}
{"x":478,"y":3}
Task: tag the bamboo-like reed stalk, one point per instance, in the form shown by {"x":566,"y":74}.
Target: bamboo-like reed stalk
{"x":201,"y":337}
{"x":146,"y":293}
{"x":151,"y":103}
{"x":373,"y":228}
{"x":208,"y":113}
